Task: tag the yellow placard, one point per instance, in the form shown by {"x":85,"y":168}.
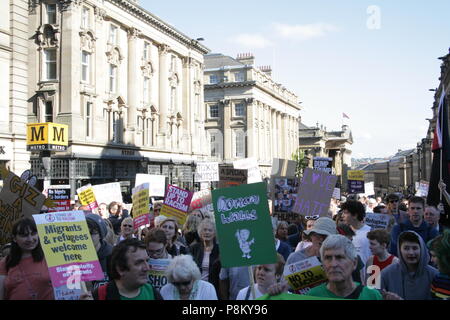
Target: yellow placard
{"x":86,"y":196}
{"x":355,"y":175}
{"x":173,"y":213}
{"x":306,"y":278}
{"x":47,"y":136}
{"x":140,"y":203}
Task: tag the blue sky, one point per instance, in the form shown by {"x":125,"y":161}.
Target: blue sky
{"x":373,"y":60}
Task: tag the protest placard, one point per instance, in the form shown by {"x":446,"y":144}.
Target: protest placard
{"x":157,"y":183}
{"x":284,"y":192}
{"x":65,"y":293}
{"x":323,"y":164}
{"x":304,"y":275}
{"x":176,"y":203}
{"x":17,"y":200}
{"x":60,"y":196}
{"x":156,"y":275}
{"x":141,"y":205}
{"x":68,"y":247}
{"x":202,"y":201}
{"x":283,"y":167}
{"x":107,"y":193}
{"x":230,"y":177}
{"x":369,"y":189}
{"x":314,"y":193}
{"x":422,"y":190}
{"x":336,"y":193}
{"x":87,"y":197}
{"x":252,"y":167}
{"x":207,"y":172}
{"x":355,"y":181}
{"x":244,"y":227}
{"x":377,"y":220}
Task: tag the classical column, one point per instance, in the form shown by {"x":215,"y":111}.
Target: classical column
{"x":163,"y":88}
{"x":133,"y":84}
{"x":274,"y":141}
{"x":262,"y":126}
{"x":250,"y":128}
{"x":227,"y":132}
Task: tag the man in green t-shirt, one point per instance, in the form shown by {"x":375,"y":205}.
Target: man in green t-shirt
{"x":339,"y":259}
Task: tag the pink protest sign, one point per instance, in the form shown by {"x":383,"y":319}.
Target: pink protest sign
{"x":176,"y":203}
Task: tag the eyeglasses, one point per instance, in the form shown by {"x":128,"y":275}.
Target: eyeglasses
{"x":312,"y":217}
{"x":184,"y":283}
{"x":128,"y":225}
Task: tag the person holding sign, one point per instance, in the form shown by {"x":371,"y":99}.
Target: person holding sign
{"x":339,"y":258}
{"x":185,"y":283}
{"x":24,"y":272}
{"x":170,"y":227}
{"x":266,"y":275}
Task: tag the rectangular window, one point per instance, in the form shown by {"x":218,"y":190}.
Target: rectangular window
{"x":240,"y":144}
{"x":116,"y":127}
{"x":112,"y":34}
{"x":89,"y":119}
{"x":213,"y":79}
{"x":145,"y":91}
{"x":50,"y":64}
{"x":51,"y":13}
{"x":85,"y":18}
{"x":112,"y":78}
{"x":48,"y":111}
{"x":239,"y":110}
{"x":225,"y":78}
{"x":239,"y":77}
{"x":214,"y":111}
{"x":213,"y":142}
{"x":85,"y":59}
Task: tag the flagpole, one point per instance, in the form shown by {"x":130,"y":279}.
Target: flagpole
{"x":442,"y":147}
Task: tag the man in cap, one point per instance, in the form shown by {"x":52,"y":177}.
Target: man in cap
{"x":392,"y":203}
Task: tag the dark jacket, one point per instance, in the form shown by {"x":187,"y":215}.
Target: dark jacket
{"x":197,"y":251}
{"x":425,"y":231}
{"x":112,"y":292}
{"x":116,"y":221}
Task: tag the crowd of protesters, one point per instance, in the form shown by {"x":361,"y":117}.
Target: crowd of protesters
{"x":409,"y":259}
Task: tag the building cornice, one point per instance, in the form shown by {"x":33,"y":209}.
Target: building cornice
{"x":156,"y":22}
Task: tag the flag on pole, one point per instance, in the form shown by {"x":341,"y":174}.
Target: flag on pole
{"x":440,"y":168}
{"x":345,"y":116}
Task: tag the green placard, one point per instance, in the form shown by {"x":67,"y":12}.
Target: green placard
{"x":244,"y":228}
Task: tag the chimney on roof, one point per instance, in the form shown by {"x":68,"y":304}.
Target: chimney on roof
{"x":246,"y":58}
{"x":267,"y":70}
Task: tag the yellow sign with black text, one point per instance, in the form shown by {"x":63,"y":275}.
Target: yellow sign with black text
{"x":47,"y":136}
{"x":357,"y":175}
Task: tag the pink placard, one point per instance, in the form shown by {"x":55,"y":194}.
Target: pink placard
{"x":90,"y":271}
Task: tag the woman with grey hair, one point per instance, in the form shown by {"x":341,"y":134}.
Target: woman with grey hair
{"x":184,"y":280}
{"x":339,"y":259}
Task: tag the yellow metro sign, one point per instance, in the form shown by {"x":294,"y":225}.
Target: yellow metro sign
{"x":47,"y":136}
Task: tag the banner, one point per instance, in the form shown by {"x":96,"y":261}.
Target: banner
{"x":17,"y":200}
{"x":87,"y":197}
{"x":68,"y":247}
{"x":304,"y":275}
{"x":156,"y":275}
{"x":314,"y":194}
{"x":377,"y":220}
{"x":107,"y":193}
{"x":141,"y":205}
{"x":323,"y":164}
{"x":202,"y":201}
{"x":60,"y":196}
{"x":207,"y":172}
{"x":244,"y":227}
{"x":230,"y":177}
{"x":157,"y":183}
{"x":176,"y":204}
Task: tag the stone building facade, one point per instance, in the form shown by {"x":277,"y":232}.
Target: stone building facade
{"x":13,"y":84}
{"x":248,"y":114}
{"x":128,"y":85}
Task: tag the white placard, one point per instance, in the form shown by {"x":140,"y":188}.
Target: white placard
{"x":336,"y":194}
{"x":157,"y":183}
{"x":207,"y":172}
{"x":377,"y":220}
{"x":422,"y":190}
{"x":369,"y":189}
{"x":108,"y":192}
{"x":246,"y":163}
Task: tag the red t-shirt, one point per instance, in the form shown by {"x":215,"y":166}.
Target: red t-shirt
{"x":28,"y":280}
{"x":383,"y":264}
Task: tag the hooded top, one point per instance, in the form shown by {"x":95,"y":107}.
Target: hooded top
{"x":410,"y":286}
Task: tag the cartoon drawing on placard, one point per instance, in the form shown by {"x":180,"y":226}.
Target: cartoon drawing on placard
{"x":244,"y":244}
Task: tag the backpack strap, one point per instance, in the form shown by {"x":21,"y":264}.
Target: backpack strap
{"x":247,"y":295}
{"x":102,"y":292}
{"x":355,"y":294}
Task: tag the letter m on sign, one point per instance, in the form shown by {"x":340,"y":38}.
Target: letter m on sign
{"x":58,"y":136}
{"x":37,"y":133}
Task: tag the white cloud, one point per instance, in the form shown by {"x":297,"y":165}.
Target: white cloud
{"x":303,"y":32}
{"x":251,"y":40}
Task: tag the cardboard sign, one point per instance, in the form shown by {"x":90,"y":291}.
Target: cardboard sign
{"x":244,"y":227}
{"x":314,"y":194}
{"x":141,"y":205}
{"x":283,"y":167}
{"x":157,"y":183}
{"x":207,"y":172}
{"x":107,"y":193}
{"x":230,"y":177}
{"x":87,"y":197}
{"x":17,"y":200}
{"x":68,"y":246}
{"x":304,"y":275}
{"x":60,"y":196}
{"x":176,"y":203}
{"x":202,"y":201}
{"x":422,"y":190}
{"x":156,"y":275}
{"x":323,"y":164}
{"x":377,"y":220}
{"x":253,"y":175}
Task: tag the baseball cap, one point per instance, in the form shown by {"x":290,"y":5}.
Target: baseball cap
{"x":324,"y":226}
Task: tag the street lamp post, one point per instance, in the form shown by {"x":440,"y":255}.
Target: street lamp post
{"x":170,"y":171}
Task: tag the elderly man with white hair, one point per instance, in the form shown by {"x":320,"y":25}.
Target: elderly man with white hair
{"x":339,"y":259}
